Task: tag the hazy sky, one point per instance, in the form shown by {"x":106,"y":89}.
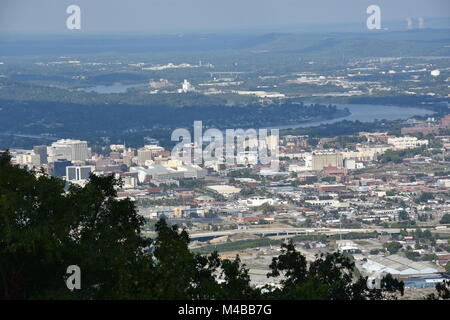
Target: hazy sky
{"x":203,"y":15}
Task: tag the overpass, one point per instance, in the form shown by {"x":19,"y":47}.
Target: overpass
{"x":289,"y":232}
{"x":282,"y":231}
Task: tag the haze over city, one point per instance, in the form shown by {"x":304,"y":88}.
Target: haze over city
{"x":162,"y":16}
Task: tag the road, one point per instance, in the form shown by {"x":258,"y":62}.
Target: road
{"x":298,"y":231}
{"x":291,"y":231}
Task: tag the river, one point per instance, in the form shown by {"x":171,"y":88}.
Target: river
{"x":360,"y":112}
{"x":367,"y":113}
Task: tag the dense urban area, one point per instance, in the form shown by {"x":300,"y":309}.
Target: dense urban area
{"x":383,"y":199}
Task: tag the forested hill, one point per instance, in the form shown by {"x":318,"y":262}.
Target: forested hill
{"x":357,"y":44}
{"x":56,"y":117}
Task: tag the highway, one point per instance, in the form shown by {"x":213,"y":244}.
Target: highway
{"x":298,"y":231}
{"x":285,"y":231}
{"x":290,"y":231}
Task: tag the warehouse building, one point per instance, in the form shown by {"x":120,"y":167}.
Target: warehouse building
{"x":397,"y":265}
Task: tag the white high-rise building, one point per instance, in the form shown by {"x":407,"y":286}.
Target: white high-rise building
{"x":26,"y":158}
{"x":72,"y":150}
{"x":186,"y":87}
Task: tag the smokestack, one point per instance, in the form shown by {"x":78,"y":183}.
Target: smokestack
{"x":409,"y":24}
{"x":421,"y":23}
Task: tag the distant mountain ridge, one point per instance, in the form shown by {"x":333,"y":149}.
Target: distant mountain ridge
{"x":381,"y":43}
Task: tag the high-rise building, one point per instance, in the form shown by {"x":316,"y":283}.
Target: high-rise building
{"x":143,"y":156}
{"x":147,"y":153}
{"x":27,"y":158}
{"x":186,"y":87}
{"x":42,"y":152}
{"x":66,"y":149}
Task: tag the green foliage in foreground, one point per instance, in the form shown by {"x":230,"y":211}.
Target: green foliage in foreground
{"x":44,"y":229}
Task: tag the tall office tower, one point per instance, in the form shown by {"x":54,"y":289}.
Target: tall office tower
{"x":147,"y":153}
{"x":66,"y":149}
{"x":144,"y":155}
{"x":186,"y":87}
{"x":42,"y":152}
